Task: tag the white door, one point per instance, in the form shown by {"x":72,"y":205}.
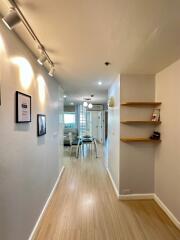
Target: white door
{"x":100,"y":127}
{"x":94,"y":122}
{"x":97,"y":125}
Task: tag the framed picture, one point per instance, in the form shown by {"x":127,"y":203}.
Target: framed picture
{"x":156,"y":115}
{"x":41,"y":124}
{"x":23,"y":108}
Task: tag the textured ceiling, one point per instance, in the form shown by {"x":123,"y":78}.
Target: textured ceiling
{"x":136,"y":36}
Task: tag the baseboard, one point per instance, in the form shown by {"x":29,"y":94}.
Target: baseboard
{"x":143,"y":197}
{"x":119,"y":196}
{"x":128,"y":196}
{"x":167,"y":211}
{"x":136,"y":196}
{"x":113,"y":183}
{"x":157,"y":200}
{"x":46,"y":205}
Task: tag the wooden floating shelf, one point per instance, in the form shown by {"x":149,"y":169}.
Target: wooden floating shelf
{"x":145,"y":140}
{"x":142,"y":122}
{"x":141,"y":104}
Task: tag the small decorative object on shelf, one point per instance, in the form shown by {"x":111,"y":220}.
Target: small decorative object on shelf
{"x":156,"y":115}
{"x":156,"y":136}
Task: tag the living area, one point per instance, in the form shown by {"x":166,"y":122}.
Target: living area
{"x":84,"y":127}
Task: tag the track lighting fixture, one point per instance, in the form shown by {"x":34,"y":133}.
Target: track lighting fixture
{"x":51,"y":72}
{"x":16,"y":16}
{"x":41,"y":60}
{"x":11,"y":19}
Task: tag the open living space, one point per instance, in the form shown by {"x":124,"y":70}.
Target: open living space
{"x":89,"y":120}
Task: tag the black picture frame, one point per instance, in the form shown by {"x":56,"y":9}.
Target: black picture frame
{"x":41,"y":125}
{"x":23,"y":114}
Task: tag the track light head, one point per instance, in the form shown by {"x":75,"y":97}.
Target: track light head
{"x":11,"y":19}
{"x":51,"y":72}
{"x":41,"y":60}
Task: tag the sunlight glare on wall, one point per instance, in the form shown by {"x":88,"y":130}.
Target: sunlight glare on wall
{"x":25,"y":71}
{"x":41,"y":88}
{"x":2,"y":45}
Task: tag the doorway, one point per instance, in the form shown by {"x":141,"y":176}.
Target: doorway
{"x":97,"y":125}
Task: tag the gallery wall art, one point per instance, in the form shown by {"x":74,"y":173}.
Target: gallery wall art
{"x":23,"y":108}
{"x":41,"y":124}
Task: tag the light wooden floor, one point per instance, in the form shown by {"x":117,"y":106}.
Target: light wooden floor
{"x":84,"y":207}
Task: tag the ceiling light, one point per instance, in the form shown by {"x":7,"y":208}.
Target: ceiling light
{"x":51,"y":72}
{"x":72,"y":103}
{"x":90,"y":105}
{"x":99,"y":83}
{"x":85,"y":104}
{"x":41,"y":60}
{"x":11,"y":19}
{"x":65,"y":96}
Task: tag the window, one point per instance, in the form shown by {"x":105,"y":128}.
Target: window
{"x":85,"y":121}
{"x":70,"y":120}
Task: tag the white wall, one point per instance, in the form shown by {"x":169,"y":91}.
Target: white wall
{"x":167,"y":161}
{"x":29,"y":166}
{"x":114,"y":132}
{"x":136,"y":159}
{"x":147,"y":168}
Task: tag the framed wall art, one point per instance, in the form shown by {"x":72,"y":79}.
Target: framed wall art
{"x":41,"y":124}
{"x":23,"y":108}
{"x":156,"y":115}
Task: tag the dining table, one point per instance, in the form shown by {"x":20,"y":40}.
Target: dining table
{"x":86,"y":140}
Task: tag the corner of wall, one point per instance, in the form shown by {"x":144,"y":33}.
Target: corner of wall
{"x":136,"y":159}
{"x":114,"y":133}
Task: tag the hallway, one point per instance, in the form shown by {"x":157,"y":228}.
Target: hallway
{"x":84,"y":207}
